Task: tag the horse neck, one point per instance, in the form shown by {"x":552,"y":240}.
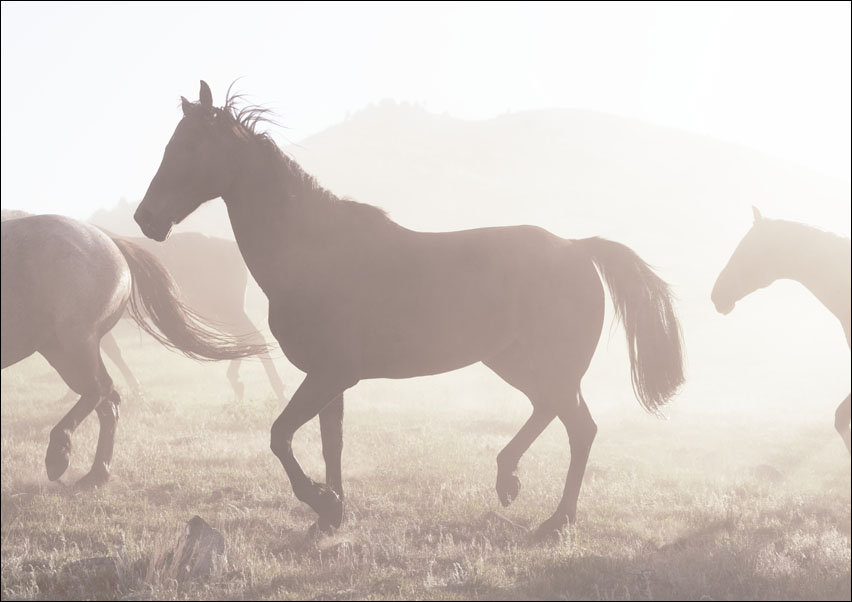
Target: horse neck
{"x":274,"y":223}
{"x":820,"y":261}
{"x":259,"y":228}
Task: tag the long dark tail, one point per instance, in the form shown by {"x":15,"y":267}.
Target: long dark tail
{"x":643,"y":303}
{"x":155,"y":298}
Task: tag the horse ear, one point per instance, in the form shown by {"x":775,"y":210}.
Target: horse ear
{"x":186,"y":106}
{"x":205,"y":95}
{"x":757,"y":216}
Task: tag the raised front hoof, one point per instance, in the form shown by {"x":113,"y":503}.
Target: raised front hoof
{"x":508,"y":487}
{"x":550,"y":531}
{"x":239,"y":391}
{"x":329,"y":507}
{"x":58,"y":454}
{"x":95,"y":478}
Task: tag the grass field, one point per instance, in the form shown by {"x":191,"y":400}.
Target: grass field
{"x":705,"y":505}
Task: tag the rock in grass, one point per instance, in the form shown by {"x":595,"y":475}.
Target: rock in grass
{"x":200,"y":550}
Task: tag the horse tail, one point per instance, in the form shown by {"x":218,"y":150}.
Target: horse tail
{"x":643,"y":303}
{"x":155,"y":297}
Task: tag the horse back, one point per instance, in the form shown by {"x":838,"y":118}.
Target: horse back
{"x":60,"y":277}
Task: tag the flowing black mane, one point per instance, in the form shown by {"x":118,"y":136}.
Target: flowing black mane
{"x":247,"y":118}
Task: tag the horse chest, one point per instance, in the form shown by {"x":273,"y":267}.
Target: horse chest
{"x":306,"y":329}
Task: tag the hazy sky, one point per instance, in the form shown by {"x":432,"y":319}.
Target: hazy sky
{"x":90,"y":92}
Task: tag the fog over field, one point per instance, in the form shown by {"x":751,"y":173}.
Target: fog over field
{"x":657,"y":125}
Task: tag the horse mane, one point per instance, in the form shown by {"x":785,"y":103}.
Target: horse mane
{"x":809,"y":232}
{"x":810,"y":242}
{"x":248,"y":118}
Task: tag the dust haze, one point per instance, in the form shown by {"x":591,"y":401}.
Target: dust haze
{"x":741,"y":491}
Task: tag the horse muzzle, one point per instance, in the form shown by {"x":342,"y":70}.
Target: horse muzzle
{"x":151,"y":227}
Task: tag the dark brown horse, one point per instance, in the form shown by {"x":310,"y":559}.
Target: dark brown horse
{"x":65,"y":284}
{"x":353,"y":295}
{"x":775,"y":249}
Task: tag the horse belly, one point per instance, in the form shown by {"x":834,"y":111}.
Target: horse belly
{"x":386,"y":338}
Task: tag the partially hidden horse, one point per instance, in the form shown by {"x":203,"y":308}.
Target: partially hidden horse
{"x":212,"y":278}
{"x":775,"y":249}
{"x":353,"y":295}
{"x":65,"y":284}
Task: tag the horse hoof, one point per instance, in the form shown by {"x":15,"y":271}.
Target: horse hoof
{"x":550,"y":531}
{"x":508,"y":488}
{"x":95,"y":478}
{"x":58,"y":453}
{"x":329,"y":507}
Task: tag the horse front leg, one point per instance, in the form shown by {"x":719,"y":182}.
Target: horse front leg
{"x":331,"y":429}
{"x":314,"y":394}
{"x":842,"y":418}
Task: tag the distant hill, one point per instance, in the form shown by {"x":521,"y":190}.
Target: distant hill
{"x":575,"y":172}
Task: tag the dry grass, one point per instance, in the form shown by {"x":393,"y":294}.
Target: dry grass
{"x":702,"y":506}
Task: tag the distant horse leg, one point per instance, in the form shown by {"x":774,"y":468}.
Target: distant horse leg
{"x":234,"y":378}
{"x":842,"y":417}
{"x":310,"y":398}
{"x":272,"y":375}
{"x":581,"y":430}
{"x":110,"y":347}
{"x":248,"y":328}
{"x":331,"y":429}
{"x":80,"y":369}
{"x":508,"y":484}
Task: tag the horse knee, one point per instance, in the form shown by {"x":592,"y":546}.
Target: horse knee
{"x":280,"y":440}
{"x":581,"y":428}
{"x":591,"y":430}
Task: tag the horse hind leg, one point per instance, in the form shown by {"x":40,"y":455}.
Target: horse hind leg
{"x":581,"y":429}
{"x":110,"y":346}
{"x":108,"y":413}
{"x":81,"y":367}
{"x":842,"y":418}
{"x":508,"y":484}
{"x":512,"y":367}
{"x":331,"y":431}
{"x":234,"y":379}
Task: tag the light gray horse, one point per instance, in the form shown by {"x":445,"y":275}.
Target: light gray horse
{"x":65,"y":284}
